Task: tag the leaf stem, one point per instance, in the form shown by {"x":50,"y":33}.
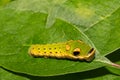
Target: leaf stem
{"x":116,"y":65}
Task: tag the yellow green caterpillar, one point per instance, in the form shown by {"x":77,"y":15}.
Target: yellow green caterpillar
{"x":73,"y":49}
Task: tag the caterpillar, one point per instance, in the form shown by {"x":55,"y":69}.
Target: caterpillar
{"x":73,"y":49}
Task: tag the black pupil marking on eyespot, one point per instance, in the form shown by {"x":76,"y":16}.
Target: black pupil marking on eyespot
{"x":54,"y":48}
{"x":38,"y":48}
{"x":90,"y":50}
{"x":49,"y":48}
{"x":76,"y":53}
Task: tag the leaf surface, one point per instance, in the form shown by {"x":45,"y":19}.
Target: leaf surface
{"x":23,"y":25}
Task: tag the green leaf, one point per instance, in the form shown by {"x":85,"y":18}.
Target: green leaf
{"x":4,"y":2}
{"x":22,"y":25}
{"x":105,"y":34}
{"x":16,"y":34}
{"x":106,"y":37}
{"x":7,"y":75}
{"x":96,"y":74}
{"x":82,"y":13}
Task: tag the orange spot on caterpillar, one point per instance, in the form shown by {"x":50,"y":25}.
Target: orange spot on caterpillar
{"x":67,"y":47}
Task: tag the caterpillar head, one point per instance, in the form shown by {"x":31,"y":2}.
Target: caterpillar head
{"x":80,"y":50}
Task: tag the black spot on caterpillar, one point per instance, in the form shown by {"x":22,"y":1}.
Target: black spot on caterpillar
{"x":70,"y":50}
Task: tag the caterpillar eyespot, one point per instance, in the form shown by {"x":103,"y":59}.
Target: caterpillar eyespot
{"x":69,"y":50}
